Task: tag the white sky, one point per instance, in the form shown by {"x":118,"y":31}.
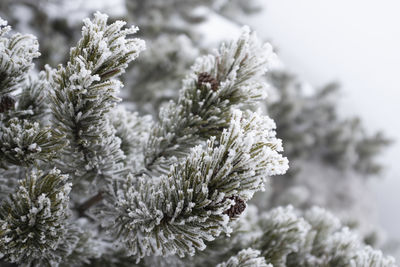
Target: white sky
{"x":357,"y":43}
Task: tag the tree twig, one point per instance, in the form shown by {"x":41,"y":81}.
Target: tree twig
{"x":89,"y":203}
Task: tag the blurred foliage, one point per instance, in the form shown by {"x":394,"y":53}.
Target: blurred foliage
{"x":312,"y":128}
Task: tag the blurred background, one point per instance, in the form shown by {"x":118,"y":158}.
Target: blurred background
{"x":355,"y":43}
{"x":334,"y":92}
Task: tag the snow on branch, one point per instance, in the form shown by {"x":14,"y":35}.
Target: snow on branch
{"x":286,"y":237}
{"x":24,"y":142}
{"x":178,"y":212}
{"x":33,"y":220}
{"x":230,"y":78}
{"x":85,"y":91}
{"x":17,"y":52}
{"x":246,"y":258}
{"x":317,"y":239}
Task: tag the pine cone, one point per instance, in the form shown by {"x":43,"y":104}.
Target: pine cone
{"x":204,"y":78}
{"x":236,"y":209}
{"x":6,"y":103}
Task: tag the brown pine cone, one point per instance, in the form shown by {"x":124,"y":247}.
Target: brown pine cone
{"x":236,"y":209}
{"x":204,"y":78}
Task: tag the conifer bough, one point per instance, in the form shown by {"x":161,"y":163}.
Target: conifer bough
{"x":100,"y":185}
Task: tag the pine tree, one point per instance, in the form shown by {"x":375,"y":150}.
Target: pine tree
{"x":93,"y":184}
{"x":314,"y":144}
{"x":332,"y":156}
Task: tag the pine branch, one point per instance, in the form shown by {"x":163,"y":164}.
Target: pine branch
{"x":246,"y":258}
{"x":285,"y":237}
{"x":24,"y":142}
{"x":187,"y":207}
{"x":84,"y":94}
{"x":33,"y":221}
{"x":229,"y":79}
{"x":312,"y":128}
{"x":33,"y":100}
{"x":16,"y":55}
{"x":318,"y":239}
{"x":89,"y":203}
